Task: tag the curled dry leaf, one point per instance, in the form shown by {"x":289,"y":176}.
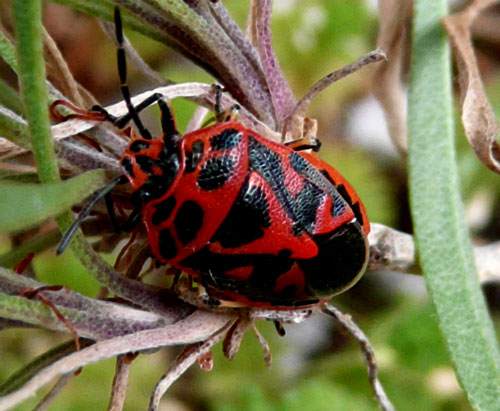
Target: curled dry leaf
{"x":478,"y":119}
{"x":387,"y":85}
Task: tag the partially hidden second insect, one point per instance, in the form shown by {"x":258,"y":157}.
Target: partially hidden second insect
{"x":256,"y":223}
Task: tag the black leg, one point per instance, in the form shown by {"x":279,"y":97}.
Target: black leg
{"x":107,"y":116}
{"x":111,"y":213}
{"x":120,"y":122}
{"x":148,"y":101}
{"x":311,"y":143}
{"x":168,"y":126}
{"x":222,"y":116}
{"x":134,"y":219}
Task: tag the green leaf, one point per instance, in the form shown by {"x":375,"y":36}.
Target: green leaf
{"x":36,"y":245}
{"x":8,"y":51}
{"x":19,"y":378}
{"x":10,"y":98}
{"x":25,"y":205}
{"x":439,"y":219}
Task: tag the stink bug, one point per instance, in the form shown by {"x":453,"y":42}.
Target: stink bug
{"x":255,"y":222}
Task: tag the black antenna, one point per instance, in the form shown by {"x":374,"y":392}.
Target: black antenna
{"x":99,"y":194}
{"x":122,"y":72}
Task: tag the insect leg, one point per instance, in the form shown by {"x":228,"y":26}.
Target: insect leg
{"x":306,"y":143}
{"x":168,"y":126}
{"x":221,"y":115}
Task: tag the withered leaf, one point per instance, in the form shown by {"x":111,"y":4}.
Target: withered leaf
{"x":387,"y":85}
{"x":478,"y":119}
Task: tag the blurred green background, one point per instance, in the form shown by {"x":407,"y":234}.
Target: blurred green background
{"x":315,"y":366}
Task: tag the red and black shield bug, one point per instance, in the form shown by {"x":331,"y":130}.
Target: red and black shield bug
{"x":255,"y":222}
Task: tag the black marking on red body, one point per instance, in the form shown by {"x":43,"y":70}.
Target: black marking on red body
{"x":307,"y":202}
{"x":322,"y":181}
{"x":302,"y":208}
{"x":356,"y":208}
{"x":215,"y":172}
{"x":267,"y":268}
{"x":163,"y":209}
{"x":188,"y":221}
{"x":267,"y":163}
{"x":146,"y":163}
{"x":341,"y":253}
{"x":227,"y":139}
{"x":157,"y":185}
{"x":166,"y":244}
{"x":341,"y":256}
{"x":246,"y":220}
{"x":127,"y":166}
{"x":193,"y":156}
{"x":154,"y":188}
{"x":138,"y":145}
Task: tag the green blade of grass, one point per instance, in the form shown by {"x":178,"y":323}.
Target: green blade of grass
{"x":10,"y":98}
{"x":34,"y":245}
{"x":25,"y":205}
{"x":8,"y":51}
{"x":439,"y":219}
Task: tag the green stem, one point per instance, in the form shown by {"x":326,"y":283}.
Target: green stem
{"x":27,"y":16}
